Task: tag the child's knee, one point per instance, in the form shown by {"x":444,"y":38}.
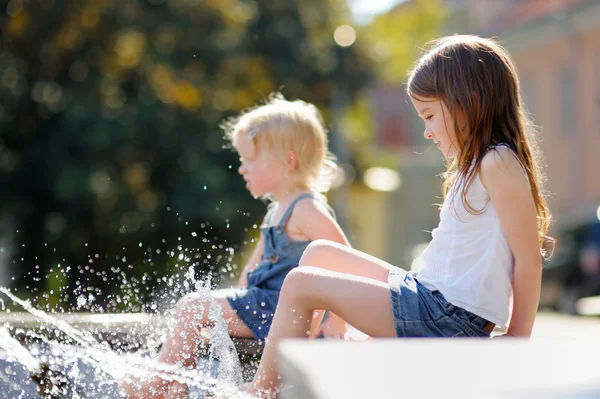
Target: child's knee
{"x":299,"y":288}
{"x":295,"y":281}
{"x":315,"y":251}
{"x":191,"y":307}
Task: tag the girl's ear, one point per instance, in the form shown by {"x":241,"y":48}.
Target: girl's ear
{"x":291,"y":161}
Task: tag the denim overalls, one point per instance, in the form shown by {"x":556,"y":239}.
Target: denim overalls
{"x":255,"y":305}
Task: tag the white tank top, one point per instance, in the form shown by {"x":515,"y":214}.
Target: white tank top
{"x":468,"y":259}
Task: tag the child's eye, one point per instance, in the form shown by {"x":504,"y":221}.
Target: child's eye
{"x":428,"y":117}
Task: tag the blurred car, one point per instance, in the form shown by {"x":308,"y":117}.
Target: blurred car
{"x":573,"y":270}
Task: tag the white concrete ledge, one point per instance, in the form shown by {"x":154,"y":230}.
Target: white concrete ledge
{"x":110,"y":327}
{"x":125,"y":322}
{"x":446,"y":368}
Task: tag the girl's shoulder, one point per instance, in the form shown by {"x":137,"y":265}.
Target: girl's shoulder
{"x":501,"y":162}
{"x":501,"y":155}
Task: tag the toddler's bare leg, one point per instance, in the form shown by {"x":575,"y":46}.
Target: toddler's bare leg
{"x":192,"y":313}
{"x":182,"y":347}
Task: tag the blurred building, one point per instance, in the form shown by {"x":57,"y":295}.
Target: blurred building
{"x":393,"y":224}
{"x":556,"y":47}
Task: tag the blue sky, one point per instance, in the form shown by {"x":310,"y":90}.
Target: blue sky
{"x":364,"y":10}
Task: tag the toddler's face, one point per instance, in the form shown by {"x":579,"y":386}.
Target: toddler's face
{"x":439,"y":126}
{"x":263,"y":173}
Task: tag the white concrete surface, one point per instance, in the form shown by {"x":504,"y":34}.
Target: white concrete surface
{"x":560,"y":361}
{"x":460,"y":368}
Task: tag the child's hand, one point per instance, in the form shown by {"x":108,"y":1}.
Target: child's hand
{"x":333,"y":327}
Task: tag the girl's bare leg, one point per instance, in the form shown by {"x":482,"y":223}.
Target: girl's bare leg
{"x":341,"y":258}
{"x":363,"y":302}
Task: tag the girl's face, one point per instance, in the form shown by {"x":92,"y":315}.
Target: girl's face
{"x":263,"y":173}
{"x":439,"y":125}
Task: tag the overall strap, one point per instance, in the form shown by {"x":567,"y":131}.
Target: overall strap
{"x":290,"y":208}
{"x":288,"y":211}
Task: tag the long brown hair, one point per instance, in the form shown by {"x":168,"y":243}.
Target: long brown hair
{"x":476,"y":77}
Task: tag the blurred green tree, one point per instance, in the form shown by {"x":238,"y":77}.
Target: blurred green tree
{"x":392,"y":41}
{"x":112,"y":164}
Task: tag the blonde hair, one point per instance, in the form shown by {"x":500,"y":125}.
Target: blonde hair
{"x":279,"y":125}
{"x":476,"y":77}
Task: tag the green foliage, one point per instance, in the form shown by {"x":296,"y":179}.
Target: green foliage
{"x":395,"y":38}
{"x":110,"y":152}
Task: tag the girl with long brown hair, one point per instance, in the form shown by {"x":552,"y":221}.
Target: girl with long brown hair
{"x":483,"y":265}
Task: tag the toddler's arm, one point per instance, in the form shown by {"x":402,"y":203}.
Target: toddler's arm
{"x":252,"y":262}
{"x":315,"y":222}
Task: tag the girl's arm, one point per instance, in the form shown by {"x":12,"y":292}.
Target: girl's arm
{"x":254,"y":260}
{"x":508,"y":187}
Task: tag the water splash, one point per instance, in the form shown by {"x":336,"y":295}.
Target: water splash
{"x":14,"y":349}
{"x":221,"y":345}
{"x":81,"y":337}
{"x":116,"y":366}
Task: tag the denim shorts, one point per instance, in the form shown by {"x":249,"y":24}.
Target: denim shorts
{"x":255,"y":307}
{"x":419,"y":312}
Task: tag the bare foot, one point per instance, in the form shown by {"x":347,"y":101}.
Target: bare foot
{"x":177,"y":390}
{"x":129,"y":387}
{"x":155,"y":388}
{"x":149,"y":387}
{"x":255,"y":392}
{"x":244,"y":391}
